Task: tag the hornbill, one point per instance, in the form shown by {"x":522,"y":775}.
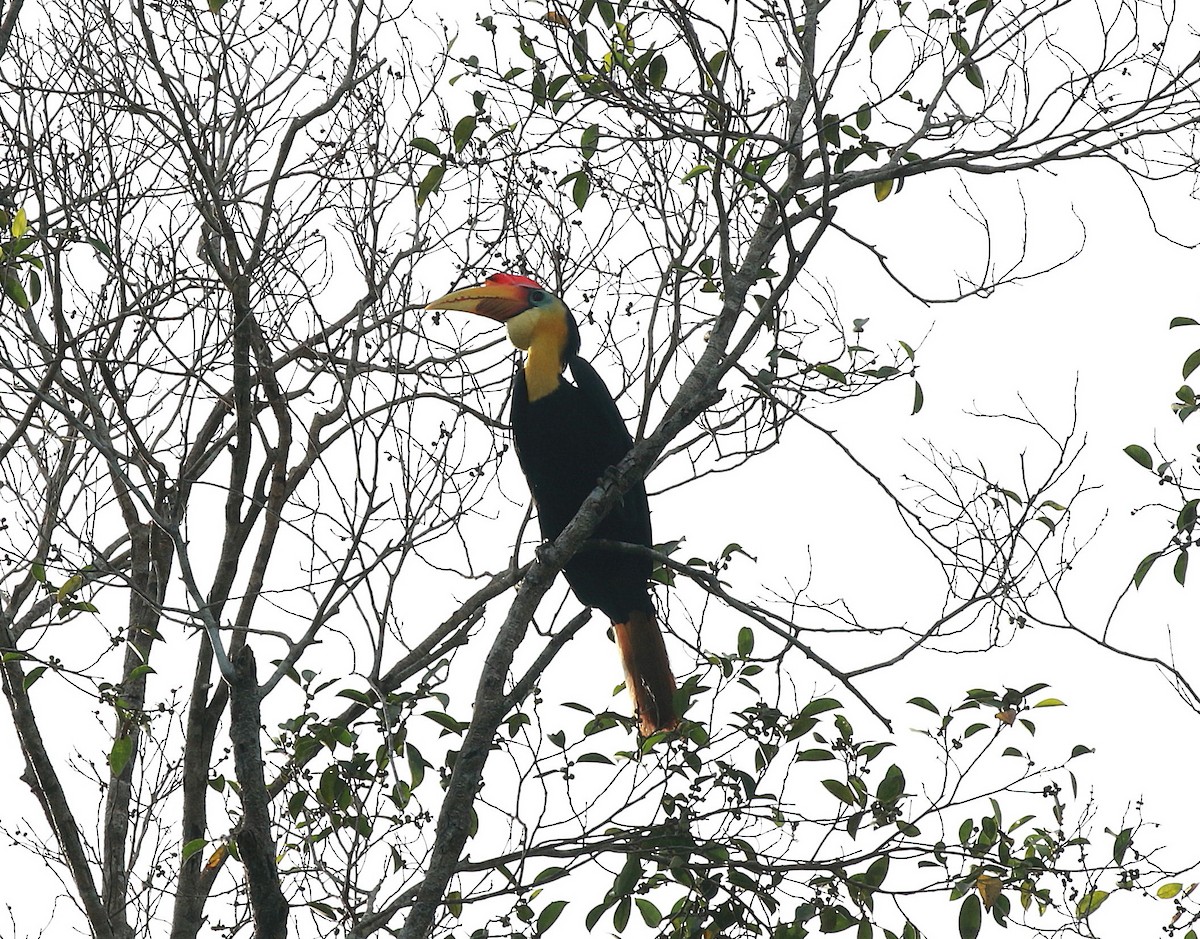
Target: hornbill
{"x":567,"y":436}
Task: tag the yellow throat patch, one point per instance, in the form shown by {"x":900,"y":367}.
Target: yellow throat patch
{"x":542,"y":331}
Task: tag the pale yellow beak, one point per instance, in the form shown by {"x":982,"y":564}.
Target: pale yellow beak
{"x":496,"y":301}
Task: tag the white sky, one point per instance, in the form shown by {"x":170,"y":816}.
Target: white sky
{"x":1101,"y":321}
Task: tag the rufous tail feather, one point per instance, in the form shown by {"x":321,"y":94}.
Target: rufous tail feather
{"x":647,"y":671}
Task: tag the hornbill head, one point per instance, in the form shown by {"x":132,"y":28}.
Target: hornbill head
{"x":530,"y":313}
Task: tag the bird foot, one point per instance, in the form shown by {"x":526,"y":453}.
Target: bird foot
{"x":611,"y":476}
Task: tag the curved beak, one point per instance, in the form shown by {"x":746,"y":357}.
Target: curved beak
{"x":497,"y":301}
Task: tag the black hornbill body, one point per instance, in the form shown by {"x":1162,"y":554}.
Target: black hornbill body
{"x":566,"y":436}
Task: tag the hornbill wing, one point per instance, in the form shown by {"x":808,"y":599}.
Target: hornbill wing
{"x":633,"y":509}
{"x":648,"y":673}
{"x":593,"y":388}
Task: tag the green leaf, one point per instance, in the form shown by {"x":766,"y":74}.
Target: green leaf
{"x":892,"y":785}
{"x":695,"y":171}
{"x":32,"y":676}
{"x":1121,"y":844}
{"x":594,"y":914}
{"x":877,"y":39}
{"x":658,"y":70}
{"x":416,"y":765}
{"x":431,"y":182}
{"x":840,"y":790}
{"x":591,"y":138}
{"x":547,"y":917}
{"x":629,"y":876}
{"x":581,"y":190}
{"x":830,"y":129}
{"x":663,"y":575}
{"x":1050,"y":703}
{"x":907,"y":828}
{"x":960,"y":43}
{"x":14,"y":290}
{"x":427,"y":146}
{"x":193,"y":847}
{"x":1192,"y":363}
{"x":939,"y":14}
{"x":831,"y":372}
{"x":820,"y":706}
{"x":924,"y":703}
{"x":970,"y":917}
{"x":813,"y":756}
{"x":877,"y":873}
{"x":118,"y":756}
{"x":70,"y":585}
{"x":595,"y":758}
{"x":1167,"y":891}
{"x":977,"y":6}
{"x":650,"y":914}
{"x":621,"y":914}
{"x":549,"y":874}
{"x":463,"y":131}
{"x":445,"y":720}
{"x":745,"y":641}
{"x":1181,"y":564}
{"x":1144,"y":568}
{"x":20,"y":223}
{"x":918,"y":397}
{"x":1090,"y":903}
{"x":1183,"y":321}
{"x":1141,"y":455}
{"x":715,"y":63}
{"x":835,"y":919}
{"x":883,"y":188}
{"x":100,"y":246}
{"x":974,"y":76}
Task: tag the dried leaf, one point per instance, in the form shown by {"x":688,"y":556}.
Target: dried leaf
{"x":989,"y":888}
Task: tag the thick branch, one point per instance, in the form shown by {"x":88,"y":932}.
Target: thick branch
{"x":254,"y":841}
{"x":42,"y":778}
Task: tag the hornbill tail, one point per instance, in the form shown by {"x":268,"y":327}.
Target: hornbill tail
{"x":647,"y":671}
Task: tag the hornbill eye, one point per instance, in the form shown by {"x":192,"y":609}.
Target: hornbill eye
{"x":536,"y":296}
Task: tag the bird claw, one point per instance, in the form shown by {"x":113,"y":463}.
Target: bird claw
{"x":610,"y":476}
